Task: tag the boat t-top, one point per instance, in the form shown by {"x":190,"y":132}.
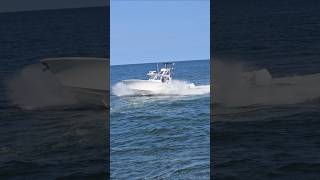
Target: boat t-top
{"x":157,"y":82}
{"x":164,"y":75}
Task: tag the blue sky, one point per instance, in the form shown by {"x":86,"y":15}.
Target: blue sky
{"x":153,"y":31}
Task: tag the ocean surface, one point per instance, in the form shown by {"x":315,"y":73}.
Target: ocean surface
{"x":46,"y":141}
{"x":161,"y":136}
{"x":267,"y":131}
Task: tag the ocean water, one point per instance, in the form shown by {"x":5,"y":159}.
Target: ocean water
{"x":161,"y":136}
{"x":40,"y":139}
{"x":269,"y":130}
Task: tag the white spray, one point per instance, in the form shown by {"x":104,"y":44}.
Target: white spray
{"x":176,"y":87}
{"x":32,"y":88}
{"x":235,"y":86}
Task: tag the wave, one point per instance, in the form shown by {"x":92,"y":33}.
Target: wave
{"x":176,"y":87}
{"x":234,"y":85}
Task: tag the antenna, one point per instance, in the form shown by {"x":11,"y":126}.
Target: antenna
{"x":173,"y":68}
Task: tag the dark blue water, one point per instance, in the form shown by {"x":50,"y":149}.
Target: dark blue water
{"x":273,"y":141}
{"x":160,"y":137}
{"x":49,"y":143}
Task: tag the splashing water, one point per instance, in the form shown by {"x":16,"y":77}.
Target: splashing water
{"x":33,"y":88}
{"x":235,"y":86}
{"x":176,"y":87}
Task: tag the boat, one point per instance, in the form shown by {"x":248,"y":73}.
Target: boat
{"x":85,"y":77}
{"x":158,"y":80}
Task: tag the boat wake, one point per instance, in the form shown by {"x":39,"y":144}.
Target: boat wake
{"x":235,"y":86}
{"x":175,"y":88}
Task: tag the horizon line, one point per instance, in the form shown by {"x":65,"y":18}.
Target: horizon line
{"x":158,"y":62}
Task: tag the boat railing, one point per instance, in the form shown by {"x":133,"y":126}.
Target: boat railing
{"x":165,"y":74}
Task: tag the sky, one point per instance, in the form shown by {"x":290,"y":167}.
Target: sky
{"x":27,"y":5}
{"x":156,"y":31}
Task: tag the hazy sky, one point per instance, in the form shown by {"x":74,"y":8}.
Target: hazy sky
{"x":23,"y":5}
{"x":153,"y":31}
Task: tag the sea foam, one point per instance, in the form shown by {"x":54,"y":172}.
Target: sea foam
{"x":176,"y":87}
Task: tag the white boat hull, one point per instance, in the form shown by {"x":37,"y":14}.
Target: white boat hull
{"x":86,"y":78}
{"x":146,"y":86}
